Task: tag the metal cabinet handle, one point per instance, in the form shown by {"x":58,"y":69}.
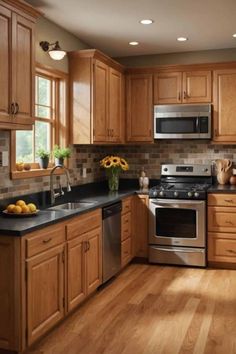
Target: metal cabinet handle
{"x":229,"y":222}
{"x":88,"y":245}
{"x":185,"y":95}
{"x":17,"y":108}
{"x":229,"y":200}
{"x":231,"y":251}
{"x":12,"y":108}
{"x":85,"y":246}
{"x":179,"y":98}
{"x":215,"y":132}
{"x":47,"y":240}
{"x":108,"y":132}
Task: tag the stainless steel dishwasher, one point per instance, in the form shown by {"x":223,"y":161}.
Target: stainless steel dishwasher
{"x":111,"y":216}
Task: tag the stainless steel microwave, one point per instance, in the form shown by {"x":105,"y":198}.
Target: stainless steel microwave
{"x":190,"y":121}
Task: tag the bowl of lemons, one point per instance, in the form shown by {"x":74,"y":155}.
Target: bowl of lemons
{"x":21,"y":209}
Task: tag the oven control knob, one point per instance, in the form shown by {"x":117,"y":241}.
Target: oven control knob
{"x":161,"y":194}
{"x":154,"y":193}
{"x":190,"y":194}
{"x":165,"y":169}
{"x":196,"y":194}
{"x":176,"y":194}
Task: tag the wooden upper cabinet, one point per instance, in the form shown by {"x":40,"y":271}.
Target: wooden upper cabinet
{"x":182,"y":87}
{"x":168,"y":88}
{"x":23,"y":69}
{"x":16,"y":67}
{"x":224,"y":93}
{"x":96,"y":98}
{"x":116,"y":106}
{"x":139,"y":108}
{"x":5,"y":63}
{"x":197,"y":86}
{"x":100,"y":108}
{"x":45,"y":291}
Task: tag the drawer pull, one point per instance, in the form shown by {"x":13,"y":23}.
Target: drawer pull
{"x":229,"y":200}
{"x":47,"y":240}
{"x":231,"y":251}
{"x":228,"y":222}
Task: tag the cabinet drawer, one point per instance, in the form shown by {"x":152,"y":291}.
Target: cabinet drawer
{"x":222,"y":200}
{"x":222,"y":219}
{"x":221,"y":250}
{"x":126,"y":205}
{"x":126,"y":253}
{"x":83,"y":224}
{"x":125,"y":226}
{"x":45,"y":239}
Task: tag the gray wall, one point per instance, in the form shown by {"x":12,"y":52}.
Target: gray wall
{"x":204,"y":56}
{"x":50,"y":32}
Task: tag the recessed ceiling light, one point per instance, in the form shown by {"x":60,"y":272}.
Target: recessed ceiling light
{"x":146,"y":22}
{"x":234,"y":35}
{"x":182,"y":39}
{"x":134,"y":43}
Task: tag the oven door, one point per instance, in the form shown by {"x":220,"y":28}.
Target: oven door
{"x":177,"y":222}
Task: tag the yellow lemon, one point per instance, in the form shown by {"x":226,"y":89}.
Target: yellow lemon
{"x":17,"y":209}
{"x":10,"y":208}
{"x":32,"y":207}
{"x":25,"y":209}
{"x":20,"y":203}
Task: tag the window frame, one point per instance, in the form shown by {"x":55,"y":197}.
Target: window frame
{"x":59,"y":125}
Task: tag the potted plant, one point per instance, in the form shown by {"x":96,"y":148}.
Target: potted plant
{"x":43,"y":158}
{"x":60,"y":154}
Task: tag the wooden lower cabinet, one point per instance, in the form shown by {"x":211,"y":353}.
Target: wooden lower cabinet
{"x":222,"y":229}
{"x":76,"y":282}
{"x":45,"y":292}
{"x":126,"y":231}
{"x":93,"y":260}
{"x":140,"y":226}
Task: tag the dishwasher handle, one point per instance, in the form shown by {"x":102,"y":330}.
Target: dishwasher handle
{"x":111,"y":210}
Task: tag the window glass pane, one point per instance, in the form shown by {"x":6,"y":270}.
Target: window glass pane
{"x":42,"y":136}
{"x":42,"y":112}
{"x":43,"y":91}
{"x":24,"y":146}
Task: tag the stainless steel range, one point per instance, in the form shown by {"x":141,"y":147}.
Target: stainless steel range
{"x":177,"y":217}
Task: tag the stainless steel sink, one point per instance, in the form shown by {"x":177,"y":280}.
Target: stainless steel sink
{"x":73,"y":205}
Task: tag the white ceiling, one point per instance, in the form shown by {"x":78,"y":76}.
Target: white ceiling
{"x":109,"y":25}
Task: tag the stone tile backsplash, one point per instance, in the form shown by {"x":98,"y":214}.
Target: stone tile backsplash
{"x":148,"y":156}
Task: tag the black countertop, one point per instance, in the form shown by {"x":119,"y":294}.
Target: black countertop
{"x":222,"y":188}
{"x":17,"y":226}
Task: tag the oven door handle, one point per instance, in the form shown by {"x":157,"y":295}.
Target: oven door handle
{"x":178,"y":250}
{"x":177,"y":203}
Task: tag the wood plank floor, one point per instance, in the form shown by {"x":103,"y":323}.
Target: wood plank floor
{"x":151,"y":309}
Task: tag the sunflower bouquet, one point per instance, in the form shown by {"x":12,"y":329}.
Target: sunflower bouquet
{"x":113,"y":166}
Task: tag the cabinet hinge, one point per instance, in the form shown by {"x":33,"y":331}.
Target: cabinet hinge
{"x":63,"y":256}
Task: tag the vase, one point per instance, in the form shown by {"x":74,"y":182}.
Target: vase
{"x":43,"y":162}
{"x":113,"y":182}
{"x":59,"y":161}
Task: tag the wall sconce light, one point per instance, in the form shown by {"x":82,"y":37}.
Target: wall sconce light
{"x":53,"y":49}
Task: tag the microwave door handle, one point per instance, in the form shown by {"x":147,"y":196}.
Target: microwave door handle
{"x":197,"y":125}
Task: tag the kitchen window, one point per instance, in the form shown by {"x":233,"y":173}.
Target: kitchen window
{"x":50,"y":126}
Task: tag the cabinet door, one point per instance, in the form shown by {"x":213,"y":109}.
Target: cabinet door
{"x":168,"y":88}
{"x":93,"y":260}
{"x":140,"y":226}
{"x":197,"y":87}
{"x":100,"y":108}
{"x":139,"y":108}
{"x":23,"y":68}
{"x":45,"y":294}
{"x":76,"y":283}
{"x":116,"y":103}
{"x":5,"y":63}
{"x":224,"y":93}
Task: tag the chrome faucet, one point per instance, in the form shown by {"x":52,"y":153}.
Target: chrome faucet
{"x":53,"y":194}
